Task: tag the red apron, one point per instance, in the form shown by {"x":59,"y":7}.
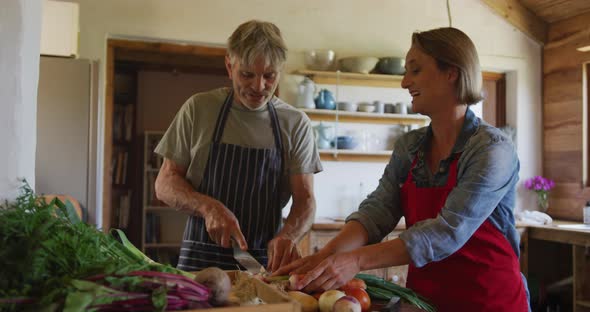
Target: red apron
{"x":483,"y":275}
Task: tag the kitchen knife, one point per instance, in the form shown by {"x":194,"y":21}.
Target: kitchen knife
{"x":246,"y":260}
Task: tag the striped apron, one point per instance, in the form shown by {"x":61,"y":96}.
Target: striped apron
{"x":247,"y":181}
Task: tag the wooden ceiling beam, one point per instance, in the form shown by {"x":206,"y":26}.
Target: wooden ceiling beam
{"x":520,"y":17}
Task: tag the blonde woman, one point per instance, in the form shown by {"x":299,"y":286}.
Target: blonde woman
{"x":453,"y":181}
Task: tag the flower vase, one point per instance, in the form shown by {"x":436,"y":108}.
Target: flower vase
{"x":542,"y":201}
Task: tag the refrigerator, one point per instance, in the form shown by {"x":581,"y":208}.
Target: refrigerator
{"x":67,"y":123}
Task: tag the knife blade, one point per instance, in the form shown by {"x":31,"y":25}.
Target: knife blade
{"x":247,"y":260}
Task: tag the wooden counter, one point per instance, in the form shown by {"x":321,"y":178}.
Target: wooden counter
{"x":560,"y":255}
{"x":337,"y":224}
{"x":561,"y":232}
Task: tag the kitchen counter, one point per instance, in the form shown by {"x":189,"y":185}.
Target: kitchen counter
{"x":567,"y":232}
{"x":558,"y":253}
{"x":334,"y":224}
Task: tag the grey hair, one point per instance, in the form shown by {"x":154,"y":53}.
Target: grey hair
{"x":451,"y":47}
{"x":254,"y":39}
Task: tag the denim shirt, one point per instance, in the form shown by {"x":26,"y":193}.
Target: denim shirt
{"x":487,"y":172}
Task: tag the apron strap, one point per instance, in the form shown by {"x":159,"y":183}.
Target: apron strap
{"x":453,"y":167}
{"x":222,"y":117}
{"x":409,"y":177}
{"x":275,"y":125}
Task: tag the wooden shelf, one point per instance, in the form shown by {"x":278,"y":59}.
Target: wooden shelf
{"x":360,"y":117}
{"x":583,"y":303}
{"x":353,"y":155}
{"x":352,"y":79}
{"x":162,"y":245}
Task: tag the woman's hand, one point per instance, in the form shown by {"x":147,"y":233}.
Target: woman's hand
{"x":331,"y":273}
{"x":301,"y":266}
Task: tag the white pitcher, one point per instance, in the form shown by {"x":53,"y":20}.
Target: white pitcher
{"x":305,"y":94}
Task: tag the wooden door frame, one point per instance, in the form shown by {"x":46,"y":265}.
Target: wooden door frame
{"x":499,"y":108}
{"x":152,"y":54}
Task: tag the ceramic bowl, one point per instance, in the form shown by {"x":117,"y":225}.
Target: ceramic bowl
{"x":391,"y":65}
{"x":358,"y":64}
{"x":347,"y":106}
{"x":389,"y":108}
{"x":346,"y":142}
{"x":319,"y":59}
{"x":366,"y":107}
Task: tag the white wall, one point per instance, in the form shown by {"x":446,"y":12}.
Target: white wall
{"x":350,"y":27}
{"x":20,"y":33}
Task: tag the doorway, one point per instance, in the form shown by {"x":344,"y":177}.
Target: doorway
{"x":146,"y":84}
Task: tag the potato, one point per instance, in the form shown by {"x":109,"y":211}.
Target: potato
{"x":308,"y":303}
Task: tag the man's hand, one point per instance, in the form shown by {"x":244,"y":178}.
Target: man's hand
{"x":281,"y":251}
{"x":221,"y":223}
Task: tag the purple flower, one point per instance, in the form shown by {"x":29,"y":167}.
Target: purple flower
{"x":539,"y":184}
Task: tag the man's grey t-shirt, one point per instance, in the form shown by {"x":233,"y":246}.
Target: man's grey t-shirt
{"x":188,"y":139}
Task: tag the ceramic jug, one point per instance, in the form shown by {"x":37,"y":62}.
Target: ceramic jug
{"x":305,"y":94}
{"x":325,"y":100}
{"x":324,"y":135}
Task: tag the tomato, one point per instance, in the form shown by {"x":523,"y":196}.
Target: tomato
{"x":360,"y":295}
{"x":355,"y":283}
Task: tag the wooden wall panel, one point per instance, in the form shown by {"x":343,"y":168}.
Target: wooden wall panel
{"x":564,"y":85}
{"x":562,"y":115}
{"x":562,"y":141}
{"x":562,"y":167}
{"x":567,"y":206}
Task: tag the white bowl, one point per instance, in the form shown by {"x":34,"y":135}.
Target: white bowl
{"x":366,"y":107}
{"x":319,"y":59}
{"x":358,"y":64}
{"x":347,"y":106}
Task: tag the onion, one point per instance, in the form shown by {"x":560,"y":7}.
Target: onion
{"x":328,"y":298}
{"x":347,"y":304}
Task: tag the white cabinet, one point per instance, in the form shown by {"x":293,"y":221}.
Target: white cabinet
{"x":59,"y":28}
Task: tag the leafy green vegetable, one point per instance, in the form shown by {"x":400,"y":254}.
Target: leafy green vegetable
{"x":48,"y":258}
{"x":381,"y":289}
